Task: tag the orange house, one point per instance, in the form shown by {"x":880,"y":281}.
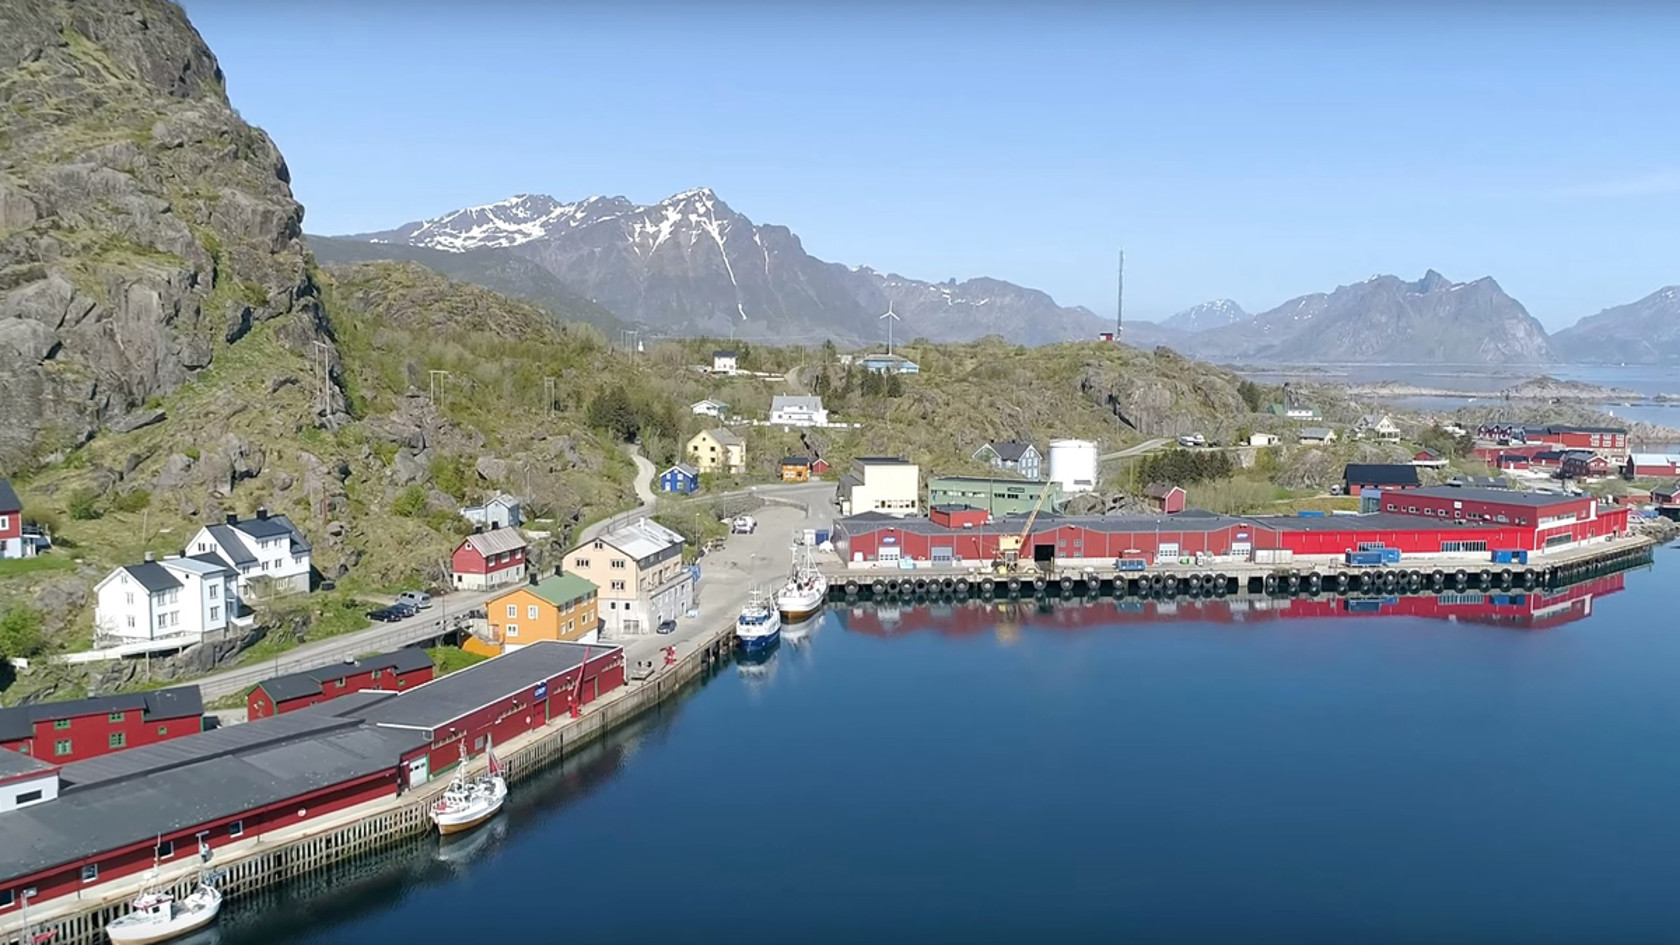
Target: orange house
{"x":796,"y":469}
{"x":558,"y":607}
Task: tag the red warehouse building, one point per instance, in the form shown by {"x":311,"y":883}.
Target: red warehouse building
{"x":63,"y":732}
{"x":492,"y":558}
{"x":387,"y":672}
{"x":226,"y":786}
{"x":1652,"y":466}
{"x":1611,"y":440}
{"x":1358,"y":477}
{"x":1583,"y":464}
{"x":1542,"y":520}
{"x":499,"y":699}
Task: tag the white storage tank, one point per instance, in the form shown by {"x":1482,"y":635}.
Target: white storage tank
{"x":1073,"y":465}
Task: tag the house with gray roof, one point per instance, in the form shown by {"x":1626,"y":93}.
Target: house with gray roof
{"x":789,"y":410}
{"x":175,"y":601}
{"x":1016,"y":456}
{"x":265,"y":551}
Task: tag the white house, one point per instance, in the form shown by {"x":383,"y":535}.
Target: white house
{"x":25,"y":780}
{"x":266,"y":547}
{"x":1262,"y":439}
{"x":723,"y":362}
{"x":1013,"y":455}
{"x":787,"y":410}
{"x":886,"y":484}
{"x":1317,"y":434}
{"x":176,"y":598}
{"x":1376,"y":426}
{"x":709,"y":408}
{"x":503,"y":511}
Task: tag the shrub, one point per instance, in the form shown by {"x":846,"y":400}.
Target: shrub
{"x":83,"y":505}
{"x":131,"y":501}
{"x":20,"y":632}
{"x":411,"y":501}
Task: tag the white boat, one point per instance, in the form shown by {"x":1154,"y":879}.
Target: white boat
{"x":158,"y":916}
{"x":758,"y":627}
{"x":468,"y":802}
{"x":806,"y":589}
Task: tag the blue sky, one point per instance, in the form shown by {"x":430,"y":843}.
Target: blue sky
{"x":1251,"y":152}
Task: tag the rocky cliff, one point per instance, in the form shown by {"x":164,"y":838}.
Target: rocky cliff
{"x":144,"y":227}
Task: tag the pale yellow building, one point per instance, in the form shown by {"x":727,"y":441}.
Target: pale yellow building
{"x":718,"y":450}
{"x":639,"y":574}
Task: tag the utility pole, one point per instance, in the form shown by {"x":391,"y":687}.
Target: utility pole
{"x":323,"y":374}
{"x":436,"y":380}
{"x":1120,"y":300}
{"x":548,"y":394}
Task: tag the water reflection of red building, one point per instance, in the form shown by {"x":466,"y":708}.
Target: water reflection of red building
{"x":1530,"y":610}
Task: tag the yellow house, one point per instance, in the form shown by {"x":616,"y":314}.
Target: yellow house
{"x":718,"y":450}
{"x":558,"y":607}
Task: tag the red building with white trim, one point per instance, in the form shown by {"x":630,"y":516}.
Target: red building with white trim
{"x":387,"y":672}
{"x":1543,"y":520}
{"x":11,"y":522}
{"x":1167,"y":500}
{"x":492,"y":558}
{"x":65,"y":732}
{"x":1651,"y":466}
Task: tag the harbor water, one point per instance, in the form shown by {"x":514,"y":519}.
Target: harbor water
{"x":952,"y":774}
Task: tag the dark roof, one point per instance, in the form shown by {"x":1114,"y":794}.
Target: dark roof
{"x":1535,"y":500}
{"x":1570,"y":428}
{"x":1191,"y":520}
{"x":311,"y":681}
{"x":152,"y":576}
{"x":231,"y":546}
{"x":96,"y":817}
{"x":1546,"y":454}
{"x":1013,"y":482}
{"x":158,"y":705}
{"x":210,"y":557}
{"x":1430,"y":452}
{"x":796,"y":460}
{"x":723,"y":354}
{"x":447,"y":698}
{"x":884,"y":460}
{"x":352,"y":705}
{"x":147,"y":760}
{"x":1381,"y":474}
{"x":8,"y":499}
{"x":274,"y":526}
{"x":1011,"y":451}
{"x":15,"y":763}
{"x":1160,"y":490}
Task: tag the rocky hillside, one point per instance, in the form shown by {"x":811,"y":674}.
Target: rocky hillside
{"x":1642,"y":332}
{"x":1385,"y":319}
{"x":692,"y":265}
{"x":144,"y":228}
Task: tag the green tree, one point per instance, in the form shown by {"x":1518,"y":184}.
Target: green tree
{"x":20,"y":632}
{"x":894,"y":386}
{"x":612,"y":410}
{"x":1252,"y":394}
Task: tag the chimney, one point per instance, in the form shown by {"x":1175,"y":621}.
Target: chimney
{"x":232,"y":518}
{"x":533,"y":578}
{"x":149,"y":556}
{"x":557,"y":571}
{"x":478,"y":529}
{"x":262,"y":513}
{"x":495,"y":525}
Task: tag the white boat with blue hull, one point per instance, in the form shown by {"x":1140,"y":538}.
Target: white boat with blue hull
{"x":759,"y":627}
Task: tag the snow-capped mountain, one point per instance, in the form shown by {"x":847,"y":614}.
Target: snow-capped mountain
{"x":1642,"y":332}
{"x":1215,"y":314}
{"x":690,"y":264}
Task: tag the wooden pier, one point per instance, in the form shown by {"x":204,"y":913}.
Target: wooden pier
{"x":1220,"y":579}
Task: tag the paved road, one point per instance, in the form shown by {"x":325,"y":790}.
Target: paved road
{"x":1145,"y":447}
{"x":644,"y":491}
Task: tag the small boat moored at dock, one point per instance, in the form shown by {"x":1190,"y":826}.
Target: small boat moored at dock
{"x":806,"y":589}
{"x":759,"y":626}
{"x":468,"y":802}
{"x":158,"y":916}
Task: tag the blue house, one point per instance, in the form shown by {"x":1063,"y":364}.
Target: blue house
{"x":681,"y":478}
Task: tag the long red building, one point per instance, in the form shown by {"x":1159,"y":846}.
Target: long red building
{"x":387,"y":672}
{"x":65,"y":732}
{"x":1434,"y":521}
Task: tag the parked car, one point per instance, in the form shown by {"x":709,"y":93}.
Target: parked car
{"x":666,"y":626}
{"x":419,"y":600}
{"x":386,"y":615}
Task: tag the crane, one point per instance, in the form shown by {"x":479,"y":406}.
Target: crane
{"x":1009,"y":546}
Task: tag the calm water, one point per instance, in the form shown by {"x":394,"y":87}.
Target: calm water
{"x":1098,"y":775}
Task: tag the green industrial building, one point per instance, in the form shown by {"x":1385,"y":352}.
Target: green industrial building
{"x":998,"y":496}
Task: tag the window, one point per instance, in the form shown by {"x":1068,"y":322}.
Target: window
{"x":580,"y":562}
{"x":131,"y":621}
{"x":60,"y":725}
{"x":130,"y":596}
{"x":5,"y":521}
{"x":119,"y":739}
{"x":618,"y":564}
{"x":28,"y":797}
{"x":7,"y":897}
{"x":513,"y":630}
{"x":376,"y":673}
{"x":618,"y":585}
{"x":163,"y":730}
{"x":237,"y":828}
{"x":115,"y":716}
{"x":339,"y":683}
{"x":1448,"y":546}
{"x":61,"y":747}
{"x":90,"y":872}
{"x":215,"y":613}
{"x":531,"y":612}
{"x":513,"y":611}
{"x":166,"y":849}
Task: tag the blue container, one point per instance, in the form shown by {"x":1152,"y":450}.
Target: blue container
{"x":1391,"y":556}
{"x":1309,"y":513}
{"x":1365,"y":559}
{"x":1132,"y":564}
{"x":1522,"y":557}
{"x":822,"y":535}
{"x":1503,"y":557}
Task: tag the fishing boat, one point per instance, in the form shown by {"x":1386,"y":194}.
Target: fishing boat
{"x":468,"y":802}
{"x":758,"y":627}
{"x":158,"y":916}
{"x":806,"y":588}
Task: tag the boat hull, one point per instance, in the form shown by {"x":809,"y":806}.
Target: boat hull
{"x":188,"y":921}
{"x":758,"y":642}
{"x":481,"y":807}
{"x":448,"y":826}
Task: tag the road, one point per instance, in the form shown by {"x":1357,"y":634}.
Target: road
{"x":1145,"y":447}
{"x":644,"y":491}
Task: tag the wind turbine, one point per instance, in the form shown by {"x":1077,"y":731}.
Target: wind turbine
{"x":890,"y":317}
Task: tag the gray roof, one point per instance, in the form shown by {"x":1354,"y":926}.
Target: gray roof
{"x":1191,"y":520}
{"x":352,"y":705}
{"x":203,"y":565}
{"x":311,"y":681}
{"x":883,"y":460}
{"x":795,"y":402}
{"x":1381,"y":474}
{"x":1011,"y":451}
{"x":8,"y":499}
{"x":495,"y":541}
{"x":1317,"y":433}
{"x":152,"y":576}
{"x":447,"y":698}
{"x":16,"y":763}
{"x":211,"y":558}
{"x":97,"y":817}
{"x":148,"y":760}
{"x":274,"y":526}
{"x":231,"y":546}
{"x":157,"y":704}
{"x":685,"y":469}
{"x":1536,"y":500}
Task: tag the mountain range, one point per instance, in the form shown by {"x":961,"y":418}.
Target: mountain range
{"x":691,"y":265}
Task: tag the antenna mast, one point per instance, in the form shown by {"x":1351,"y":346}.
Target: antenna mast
{"x":1120,"y":300}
